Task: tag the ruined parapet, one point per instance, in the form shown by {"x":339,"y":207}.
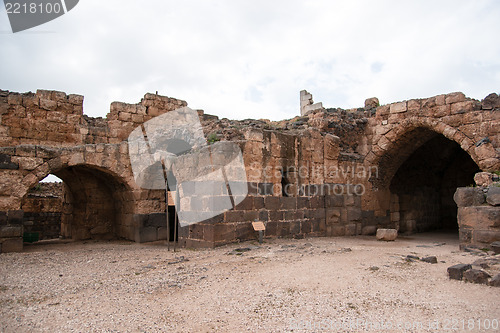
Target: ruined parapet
{"x":56,"y":119}
{"x":307,"y":104}
{"x":327,"y":172}
{"x":51,"y":117}
{"x":123,"y":118}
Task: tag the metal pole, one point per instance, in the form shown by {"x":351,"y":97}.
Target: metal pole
{"x":168,"y":224}
{"x":176,"y":216}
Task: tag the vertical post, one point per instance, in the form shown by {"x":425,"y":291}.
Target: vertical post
{"x":261,"y":236}
{"x":175,"y":232}
{"x":176,"y":217}
{"x":166,"y":210}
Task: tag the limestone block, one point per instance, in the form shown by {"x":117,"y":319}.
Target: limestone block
{"x":493,"y":196}
{"x":495,"y":246}
{"x":15,"y":99}
{"x":12,"y":245}
{"x":484,"y":178}
{"x":454,"y":97}
{"x":486,"y":236}
{"x":48,"y":104}
{"x":485,"y":151}
{"x":26,"y":151}
{"x":28,"y":163}
{"x":254,"y":135}
{"x":441,"y":111}
{"x":384,"y":143}
{"x":491,"y":101}
{"x":468,"y":196}
{"x":15,"y":217}
{"x":371,"y":103}
{"x":462,"y":107}
{"x":153,"y":111}
{"x":480,"y":217}
{"x":398,"y":107}
{"x":395,"y":217}
{"x":414,"y":105}
{"x":11,"y":231}
{"x":495,"y":281}
{"x":137,"y":118}
{"x":476,"y":276}
{"x":332,"y":147}
{"x":124,"y":116}
{"x":146,"y":234}
{"x":440,"y":99}
{"x":351,"y":229}
{"x":75,"y":99}
{"x":456,"y":272}
{"x":332,"y":216}
{"x":387,"y":234}
{"x":369,"y":230}
{"x":354,"y":213}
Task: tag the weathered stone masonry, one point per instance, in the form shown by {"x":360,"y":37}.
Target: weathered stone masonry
{"x":329,"y":172}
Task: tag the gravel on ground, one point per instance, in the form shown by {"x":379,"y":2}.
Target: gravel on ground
{"x":347,"y":284}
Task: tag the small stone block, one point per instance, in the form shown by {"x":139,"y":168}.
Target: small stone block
{"x":456,"y":272}
{"x":476,"y":276}
{"x":430,"y":260}
{"x":12,"y":245}
{"x":387,"y":234}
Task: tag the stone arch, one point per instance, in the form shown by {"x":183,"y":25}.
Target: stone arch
{"x":421,"y":163}
{"x":98,"y":201}
{"x":392,"y":148}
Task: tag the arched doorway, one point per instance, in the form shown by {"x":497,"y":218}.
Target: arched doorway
{"x":422,"y":188}
{"x":94,"y":204}
{"x":43,"y":207}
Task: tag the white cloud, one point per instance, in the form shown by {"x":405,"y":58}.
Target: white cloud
{"x":242,"y":59}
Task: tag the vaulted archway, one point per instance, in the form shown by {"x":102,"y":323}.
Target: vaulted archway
{"x":94,"y":203}
{"x":423,"y":185}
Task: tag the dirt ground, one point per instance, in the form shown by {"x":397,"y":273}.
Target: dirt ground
{"x":285,"y":285}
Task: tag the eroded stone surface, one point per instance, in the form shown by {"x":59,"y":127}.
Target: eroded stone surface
{"x":327,"y":172}
{"x":387,"y":234}
{"x":456,"y":272}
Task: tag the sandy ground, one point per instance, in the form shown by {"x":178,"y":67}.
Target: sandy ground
{"x":285,"y":285}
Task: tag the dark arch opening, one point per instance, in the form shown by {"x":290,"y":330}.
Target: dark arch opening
{"x":424,"y":184}
{"x":91,"y":204}
{"x":42,"y":206}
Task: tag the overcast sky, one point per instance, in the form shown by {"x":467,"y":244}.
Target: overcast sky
{"x":249,"y":59}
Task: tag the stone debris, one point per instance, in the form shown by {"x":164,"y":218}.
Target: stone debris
{"x":177,"y":260}
{"x":476,"y":276}
{"x":495,"y":246}
{"x":456,"y":272}
{"x":216,"y":292}
{"x":430,"y":260}
{"x":372,"y":103}
{"x":387,"y":234}
{"x":495,"y":281}
{"x":486,"y":262}
{"x":291,"y":161}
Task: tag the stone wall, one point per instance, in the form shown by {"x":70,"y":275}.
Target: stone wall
{"x":479,"y":214}
{"x":43,"y":206}
{"x":328,"y":172}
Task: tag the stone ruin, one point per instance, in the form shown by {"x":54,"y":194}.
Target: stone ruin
{"x":327,"y":172}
